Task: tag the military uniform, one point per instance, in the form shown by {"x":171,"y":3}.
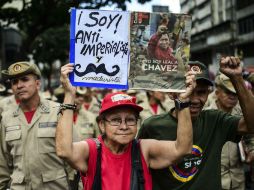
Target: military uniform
{"x":86,"y":125}
{"x":31,"y":148}
{"x":8,"y":102}
{"x":94,"y":106}
{"x":5,"y":170}
{"x":232,"y":171}
{"x":28,"y":147}
{"x":148,"y":111}
{"x":232,"y":168}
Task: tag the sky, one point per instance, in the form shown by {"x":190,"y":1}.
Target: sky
{"x":174,"y":5}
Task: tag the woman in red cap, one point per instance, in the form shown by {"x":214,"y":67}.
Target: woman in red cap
{"x":110,"y":162}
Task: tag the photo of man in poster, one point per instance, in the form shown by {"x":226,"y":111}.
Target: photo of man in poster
{"x":166,"y":50}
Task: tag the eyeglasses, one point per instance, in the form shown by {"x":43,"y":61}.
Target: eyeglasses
{"x":118,"y":121}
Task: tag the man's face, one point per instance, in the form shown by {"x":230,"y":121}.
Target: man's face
{"x":25,"y":87}
{"x":79,"y":100}
{"x":226,"y":98}
{"x":198,"y":98}
{"x":159,"y":96}
{"x":164,"y":42}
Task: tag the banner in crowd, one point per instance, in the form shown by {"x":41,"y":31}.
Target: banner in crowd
{"x":99,"y":48}
{"x":136,"y":50}
{"x":160,"y":51}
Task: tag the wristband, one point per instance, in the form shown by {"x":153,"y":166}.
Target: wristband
{"x":66,"y":107}
{"x":181,"y":105}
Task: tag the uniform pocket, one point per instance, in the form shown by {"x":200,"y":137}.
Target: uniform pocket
{"x":46,"y":139}
{"x":17,"y":177}
{"x":13,"y":140}
{"x":13,"y":135}
{"x":53,"y":175}
{"x":55,"y":179}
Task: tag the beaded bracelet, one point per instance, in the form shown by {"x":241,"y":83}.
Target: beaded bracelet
{"x":66,"y":107}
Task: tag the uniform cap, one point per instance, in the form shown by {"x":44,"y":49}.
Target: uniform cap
{"x":201,"y":70}
{"x":118,"y":99}
{"x":10,"y":91}
{"x":223,"y":81}
{"x":2,"y":88}
{"x":21,"y":68}
{"x":131,"y":91}
{"x":250,"y":78}
{"x":81,"y":90}
{"x":59,"y":91}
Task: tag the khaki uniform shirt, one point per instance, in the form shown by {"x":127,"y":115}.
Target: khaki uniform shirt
{"x":86,"y":125}
{"x":94,"y":106}
{"x":168,"y":103}
{"x":232,"y":172}
{"x":31,"y":149}
{"x":1,"y":97}
{"x":5,"y":170}
{"x":148,"y":111}
{"x":7,"y":102}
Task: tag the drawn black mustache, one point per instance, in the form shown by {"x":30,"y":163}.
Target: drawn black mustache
{"x":92,"y":68}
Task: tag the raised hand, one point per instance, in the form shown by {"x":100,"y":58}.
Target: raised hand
{"x":190,"y":82}
{"x":230,"y":66}
{"x":64,"y":78}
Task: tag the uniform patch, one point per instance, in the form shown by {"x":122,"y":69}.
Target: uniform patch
{"x":47,"y":124}
{"x":12,"y":128}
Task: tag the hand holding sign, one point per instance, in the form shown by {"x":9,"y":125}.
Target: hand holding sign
{"x":99,"y":48}
{"x":64,"y":78}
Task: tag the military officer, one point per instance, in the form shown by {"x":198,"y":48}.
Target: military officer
{"x":84,"y":120}
{"x":4,"y":169}
{"x":28,"y":135}
{"x":153,"y":105}
{"x":91,"y":104}
{"x":225,"y":99}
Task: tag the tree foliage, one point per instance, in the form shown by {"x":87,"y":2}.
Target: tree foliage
{"x":44,"y":24}
{"x":40,"y":22}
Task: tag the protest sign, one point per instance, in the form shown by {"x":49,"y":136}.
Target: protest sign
{"x":99,"y":48}
{"x":160,"y":45}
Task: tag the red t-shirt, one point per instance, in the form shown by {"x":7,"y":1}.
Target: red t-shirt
{"x":115,"y":169}
{"x":86,"y":106}
{"x":154,"y":108}
{"x":29,"y":115}
{"x":75,"y":117}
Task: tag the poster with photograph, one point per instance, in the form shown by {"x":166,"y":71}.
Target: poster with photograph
{"x":99,"y":48}
{"x":160,"y":51}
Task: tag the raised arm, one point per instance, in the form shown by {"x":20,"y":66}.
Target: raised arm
{"x":231,"y":67}
{"x":76,"y":154}
{"x":161,"y":154}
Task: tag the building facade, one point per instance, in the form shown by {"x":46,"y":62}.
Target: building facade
{"x":221,"y":27}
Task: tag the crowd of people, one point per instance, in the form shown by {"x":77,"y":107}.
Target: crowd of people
{"x":87,"y":138}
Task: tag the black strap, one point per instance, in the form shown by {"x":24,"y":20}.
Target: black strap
{"x":97,"y":177}
{"x":75,"y":183}
{"x":137,"y":177}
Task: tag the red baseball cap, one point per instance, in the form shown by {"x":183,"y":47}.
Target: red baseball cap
{"x":118,"y":99}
